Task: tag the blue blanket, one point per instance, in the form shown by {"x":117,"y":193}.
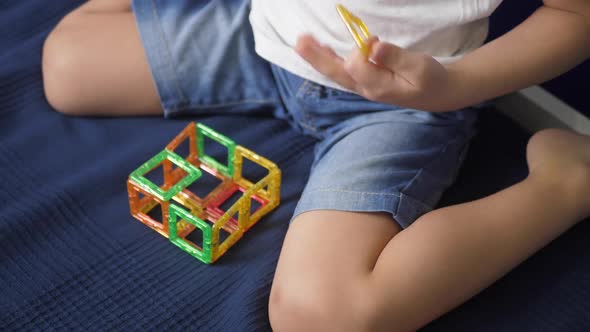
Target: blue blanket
{"x":72,"y":257}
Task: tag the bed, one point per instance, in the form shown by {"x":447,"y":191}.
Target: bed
{"x":73,"y":258}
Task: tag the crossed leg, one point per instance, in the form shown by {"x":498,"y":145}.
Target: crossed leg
{"x":343,"y":271}
{"x":94,"y":63}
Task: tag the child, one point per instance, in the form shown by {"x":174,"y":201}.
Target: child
{"x":391,"y":130}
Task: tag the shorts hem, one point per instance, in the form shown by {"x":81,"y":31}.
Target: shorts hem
{"x":403,"y":208}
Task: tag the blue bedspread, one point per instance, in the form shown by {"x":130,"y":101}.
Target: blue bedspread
{"x":72,"y":258}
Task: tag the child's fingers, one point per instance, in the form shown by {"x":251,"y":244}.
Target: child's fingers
{"x":368,"y":76}
{"x":374,"y":81}
{"x":324,"y":60}
{"x":392,"y":56}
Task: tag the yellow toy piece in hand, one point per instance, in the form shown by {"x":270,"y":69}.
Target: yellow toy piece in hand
{"x":353,"y":23}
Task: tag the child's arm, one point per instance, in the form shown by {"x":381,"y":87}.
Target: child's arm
{"x":551,"y":41}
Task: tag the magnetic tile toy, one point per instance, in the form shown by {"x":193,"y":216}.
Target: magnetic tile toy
{"x":184,"y":212}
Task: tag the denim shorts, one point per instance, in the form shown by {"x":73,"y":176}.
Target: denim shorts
{"x":369,"y":157}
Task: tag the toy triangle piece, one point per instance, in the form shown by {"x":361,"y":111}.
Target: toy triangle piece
{"x":354,"y":24}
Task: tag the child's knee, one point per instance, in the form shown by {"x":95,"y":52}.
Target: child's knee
{"x":296,"y":306}
{"x":62,"y":69}
{"x":295,"y":309}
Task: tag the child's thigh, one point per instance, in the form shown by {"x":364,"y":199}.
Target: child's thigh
{"x":324,"y":274}
{"x":94,"y":63}
{"x":396,"y":162}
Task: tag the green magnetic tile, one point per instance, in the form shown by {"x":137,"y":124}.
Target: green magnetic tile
{"x":202,"y":131}
{"x":193,"y":174}
{"x":177,"y":213}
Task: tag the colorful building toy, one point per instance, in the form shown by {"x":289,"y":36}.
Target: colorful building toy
{"x":184,"y":212}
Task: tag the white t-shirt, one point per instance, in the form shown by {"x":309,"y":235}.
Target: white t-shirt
{"x":445,"y":29}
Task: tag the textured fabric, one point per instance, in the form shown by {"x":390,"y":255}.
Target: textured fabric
{"x":444,"y":29}
{"x":71,"y":257}
{"x":370,"y":157}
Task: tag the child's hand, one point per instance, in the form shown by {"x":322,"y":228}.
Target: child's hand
{"x":389,"y":75}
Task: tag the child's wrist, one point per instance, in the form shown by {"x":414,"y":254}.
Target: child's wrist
{"x":458,"y":91}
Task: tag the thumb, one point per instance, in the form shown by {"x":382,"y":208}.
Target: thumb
{"x":390,"y":56}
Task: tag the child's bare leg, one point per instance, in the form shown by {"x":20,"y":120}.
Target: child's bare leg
{"x":354,"y":271}
{"x":94,"y":63}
